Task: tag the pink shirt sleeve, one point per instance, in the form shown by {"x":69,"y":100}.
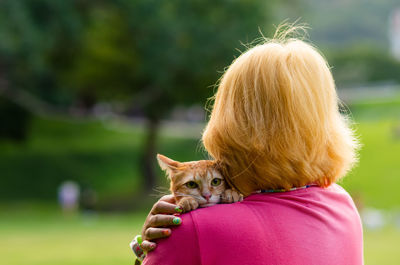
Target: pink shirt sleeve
{"x":182,"y":247}
{"x":311,"y":226}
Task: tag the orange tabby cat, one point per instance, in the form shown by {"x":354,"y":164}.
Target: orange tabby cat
{"x":197,"y":183}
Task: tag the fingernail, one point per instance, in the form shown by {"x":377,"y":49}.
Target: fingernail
{"x":177,"y":221}
{"x":152,"y":245}
{"x":178,"y":209}
{"x":167,"y":232}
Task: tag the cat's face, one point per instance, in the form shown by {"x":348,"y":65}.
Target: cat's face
{"x":198,"y":179}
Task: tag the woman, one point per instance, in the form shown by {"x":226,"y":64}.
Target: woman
{"x":276,"y":129}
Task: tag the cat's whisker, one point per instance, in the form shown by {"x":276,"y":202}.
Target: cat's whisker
{"x":189,"y":195}
{"x":160,"y":191}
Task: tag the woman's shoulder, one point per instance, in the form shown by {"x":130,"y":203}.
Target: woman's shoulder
{"x":219,"y":215}
{"x":260,"y":227}
{"x":264,"y":225}
{"x":261,"y":213}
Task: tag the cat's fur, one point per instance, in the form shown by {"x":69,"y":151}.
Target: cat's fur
{"x":197,"y":183}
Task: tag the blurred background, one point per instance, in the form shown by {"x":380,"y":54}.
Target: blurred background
{"x":90,"y":91}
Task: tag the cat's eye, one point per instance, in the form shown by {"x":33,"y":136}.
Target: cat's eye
{"x":216,"y":182}
{"x":191,"y":185}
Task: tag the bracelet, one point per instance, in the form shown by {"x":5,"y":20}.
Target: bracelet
{"x":137,"y":249}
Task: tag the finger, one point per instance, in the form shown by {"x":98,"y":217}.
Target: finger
{"x":165,"y":208}
{"x":148,"y":246}
{"x":161,"y":220}
{"x":168,"y":198}
{"x":155,"y":233}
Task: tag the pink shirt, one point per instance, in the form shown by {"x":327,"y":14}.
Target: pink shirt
{"x":313,"y":226}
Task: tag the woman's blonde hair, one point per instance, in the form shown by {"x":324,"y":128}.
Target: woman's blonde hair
{"x":275,"y":122}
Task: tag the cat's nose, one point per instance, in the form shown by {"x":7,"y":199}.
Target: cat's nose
{"x":207,"y":196}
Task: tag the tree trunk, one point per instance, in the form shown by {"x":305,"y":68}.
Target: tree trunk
{"x":149,"y":155}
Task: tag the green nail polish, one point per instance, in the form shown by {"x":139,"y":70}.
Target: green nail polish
{"x":177,"y":221}
{"x":178,"y":209}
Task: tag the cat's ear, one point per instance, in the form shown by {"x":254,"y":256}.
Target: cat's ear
{"x":167,"y":164}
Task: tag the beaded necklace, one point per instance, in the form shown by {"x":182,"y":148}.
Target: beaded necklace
{"x":283,"y":190}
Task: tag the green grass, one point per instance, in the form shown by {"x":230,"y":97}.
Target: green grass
{"x":377,"y":177}
{"x":377,"y":109}
{"x":42,"y":236}
{"x":381,"y":247}
{"x":375,"y":180}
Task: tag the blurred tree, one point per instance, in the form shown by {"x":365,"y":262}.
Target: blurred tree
{"x":154,"y":54}
{"x":37,"y":39}
{"x":363,"y":64}
{"x":14,"y":121}
{"x":148,"y":54}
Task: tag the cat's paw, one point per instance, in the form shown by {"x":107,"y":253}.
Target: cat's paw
{"x":230,"y":196}
{"x":188,"y":204}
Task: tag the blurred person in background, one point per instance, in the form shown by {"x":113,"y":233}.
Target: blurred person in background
{"x":68,"y":196}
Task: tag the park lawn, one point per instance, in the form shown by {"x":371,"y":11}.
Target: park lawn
{"x":46,"y":238}
{"x":381,"y":247}
{"x":376,"y":178}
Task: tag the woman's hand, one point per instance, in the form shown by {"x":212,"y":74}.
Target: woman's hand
{"x":160,"y":217}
